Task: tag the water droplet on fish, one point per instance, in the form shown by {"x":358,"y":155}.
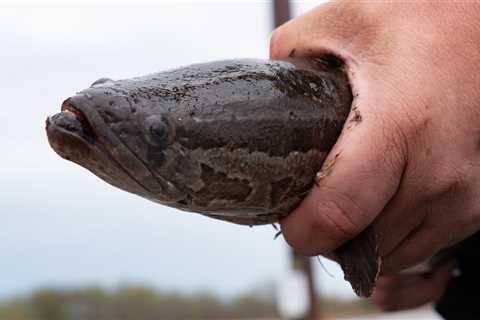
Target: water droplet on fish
{"x":101,"y":82}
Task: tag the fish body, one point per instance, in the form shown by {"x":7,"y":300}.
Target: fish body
{"x":236,"y":140}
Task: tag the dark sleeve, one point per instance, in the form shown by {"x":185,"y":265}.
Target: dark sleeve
{"x":462,"y":298}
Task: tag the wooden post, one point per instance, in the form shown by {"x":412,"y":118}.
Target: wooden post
{"x":281,"y":14}
{"x":304,"y":265}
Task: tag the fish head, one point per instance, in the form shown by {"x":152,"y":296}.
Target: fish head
{"x":105,"y":129}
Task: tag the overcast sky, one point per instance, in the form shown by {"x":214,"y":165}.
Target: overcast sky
{"x":59,"y":224}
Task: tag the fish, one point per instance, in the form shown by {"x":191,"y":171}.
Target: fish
{"x":238,"y":140}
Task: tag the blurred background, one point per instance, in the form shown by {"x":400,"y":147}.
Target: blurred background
{"x":73,"y":247}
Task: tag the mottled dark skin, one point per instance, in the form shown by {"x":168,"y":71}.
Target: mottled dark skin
{"x":237,"y":140}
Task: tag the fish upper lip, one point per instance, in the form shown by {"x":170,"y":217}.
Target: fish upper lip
{"x":73,"y":121}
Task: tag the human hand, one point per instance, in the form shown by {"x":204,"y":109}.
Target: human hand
{"x":409,"y":162}
{"x":406,"y":291}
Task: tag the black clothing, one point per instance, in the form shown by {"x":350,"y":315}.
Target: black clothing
{"x":461,"y":301}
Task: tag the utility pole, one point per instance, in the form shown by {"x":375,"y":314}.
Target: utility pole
{"x":281,"y":12}
{"x":300,"y":263}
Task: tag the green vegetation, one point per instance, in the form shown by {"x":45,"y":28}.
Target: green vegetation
{"x":143,"y":303}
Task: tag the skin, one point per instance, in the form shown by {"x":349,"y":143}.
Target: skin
{"x":411,"y":165}
{"x":406,"y":291}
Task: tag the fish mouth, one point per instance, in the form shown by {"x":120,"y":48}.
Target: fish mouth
{"x":79,"y":134}
{"x":72,"y":122}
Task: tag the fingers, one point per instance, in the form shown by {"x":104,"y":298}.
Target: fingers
{"x":359,"y":177}
{"x":400,"y":291}
{"x":436,"y":222}
{"x":424,"y":242}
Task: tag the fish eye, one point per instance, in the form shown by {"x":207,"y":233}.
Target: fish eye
{"x":157,"y":131}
